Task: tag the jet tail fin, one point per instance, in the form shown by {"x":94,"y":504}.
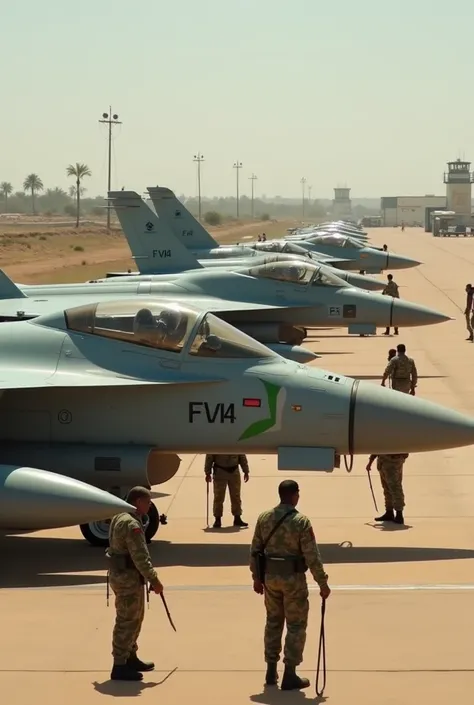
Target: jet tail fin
{"x":8,"y":288}
{"x":152,"y":242}
{"x":184,"y":224}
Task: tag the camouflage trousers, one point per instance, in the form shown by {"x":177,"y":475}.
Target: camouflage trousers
{"x":286,"y":600}
{"x":130,"y":611}
{"x":469,"y":322}
{"x":401,"y":385}
{"x":391,"y":476}
{"x":222,"y":481}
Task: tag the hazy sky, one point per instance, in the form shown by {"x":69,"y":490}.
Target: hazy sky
{"x":376,"y":96}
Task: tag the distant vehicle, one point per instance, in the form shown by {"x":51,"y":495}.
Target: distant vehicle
{"x":371,"y":221}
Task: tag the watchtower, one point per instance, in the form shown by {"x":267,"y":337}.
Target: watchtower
{"x":341,"y":205}
{"x":458,"y":180}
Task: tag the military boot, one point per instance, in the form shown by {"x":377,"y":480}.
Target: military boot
{"x":138,"y":664}
{"x":271,"y":677}
{"x":399,"y":518}
{"x":291,"y":680}
{"x":396,"y":331}
{"x":388,"y":516}
{"x":387,"y":331}
{"x":238,"y":521}
{"x":217,"y":524}
{"x":124,"y":672}
{"x":470,"y":338}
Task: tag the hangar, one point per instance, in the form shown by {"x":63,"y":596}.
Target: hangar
{"x":410,"y":210}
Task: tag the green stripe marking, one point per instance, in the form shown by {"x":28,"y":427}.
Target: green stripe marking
{"x":263,"y":425}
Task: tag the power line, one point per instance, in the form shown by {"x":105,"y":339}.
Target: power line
{"x":237,"y":166}
{"x":109,"y":119}
{"x":252,"y":179}
{"x":198,"y":158}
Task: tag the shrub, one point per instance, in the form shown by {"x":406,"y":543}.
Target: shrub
{"x":212,"y":218}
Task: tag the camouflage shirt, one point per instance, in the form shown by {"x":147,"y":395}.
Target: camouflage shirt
{"x":226,"y":461}
{"x":390,"y":456}
{"x":294,"y":537}
{"x":126,"y":537}
{"x":391,"y":289}
{"x":402,"y":367}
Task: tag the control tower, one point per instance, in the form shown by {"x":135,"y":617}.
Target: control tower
{"x":458,"y":180}
{"x":341,"y":205}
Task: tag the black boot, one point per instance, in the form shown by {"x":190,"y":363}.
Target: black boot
{"x":388,"y":516}
{"x":399,"y":518}
{"x":238,"y":521}
{"x":396,"y":331}
{"x":217,"y":524}
{"x":139,"y":665}
{"x":291,"y":681}
{"x":271,"y":677}
{"x":387,"y":331}
{"x":124,"y":672}
{"x":470,"y":338}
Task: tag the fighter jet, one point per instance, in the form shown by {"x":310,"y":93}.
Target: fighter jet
{"x":359,"y":256}
{"x":276,"y":303}
{"x":157,"y":249}
{"x":32,"y":499}
{"x":115,"y":390}
{"x":341,"y":251}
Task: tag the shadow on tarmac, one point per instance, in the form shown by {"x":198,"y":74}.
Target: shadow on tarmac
{"x":274,"y":696}
{"x":47,"y":562}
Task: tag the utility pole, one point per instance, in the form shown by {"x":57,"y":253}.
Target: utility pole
{"x":109,"y":119}
{"x":252,"y":179}
{"x":198,"y":158}
{"x":309,"y":193}
{"x":237,"y":166}
{"x":303,"y":182}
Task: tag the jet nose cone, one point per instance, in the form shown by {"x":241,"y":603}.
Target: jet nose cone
{"x":407,"y":314}
{"x":45,"y":500}
{"x":400,"y":262}
{"x":387,"y":421}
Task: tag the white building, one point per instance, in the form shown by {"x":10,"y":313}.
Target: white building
{"x":409,"y":210}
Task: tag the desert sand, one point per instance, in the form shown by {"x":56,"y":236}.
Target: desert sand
{"x":400,"y":618}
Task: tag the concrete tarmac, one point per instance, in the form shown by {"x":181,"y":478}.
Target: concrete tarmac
{"x":401,"y":616}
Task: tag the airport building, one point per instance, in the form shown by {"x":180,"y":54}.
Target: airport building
{"x":341,"y":205}
{"x":410,"y":210}
{"x":418,"y":210}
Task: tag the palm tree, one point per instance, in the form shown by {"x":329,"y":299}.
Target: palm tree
{"x":6,"y":188}
{"x":33,"y":183}
{"x":78,"y":171}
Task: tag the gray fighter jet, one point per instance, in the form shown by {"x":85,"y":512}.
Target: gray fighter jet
{"x":359,"y":256}
{"x":196,"y":238}
{"x":112,"y":392}
{"x":275,"y":303}
{"x":340,"y":251}
{"x":32,"y":499}
{"x":157,"y":249}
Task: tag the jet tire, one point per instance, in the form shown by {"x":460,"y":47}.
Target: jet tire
{"x":97,"y":532}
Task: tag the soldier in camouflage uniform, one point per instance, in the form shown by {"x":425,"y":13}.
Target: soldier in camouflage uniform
{"x":130,"y":568}
{"x":290,"y":551}
{"x":390,"y":468}
{"x":391,"y":289}
{"x":402,"y":371}
{"x":226,"y":475}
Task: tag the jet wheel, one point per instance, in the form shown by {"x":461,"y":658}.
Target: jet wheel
{"x":97,"y":532}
